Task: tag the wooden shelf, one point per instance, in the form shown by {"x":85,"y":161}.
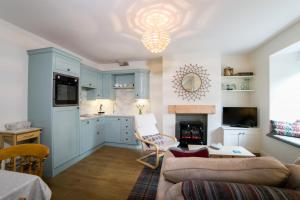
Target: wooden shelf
{"x":238,"y":90}
{"x":123,"y":87}
{"x":238,"y":77}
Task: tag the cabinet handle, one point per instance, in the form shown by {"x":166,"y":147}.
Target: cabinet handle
{"x":118,"y":118}
{"x":68,"y":70}
{"x":90,"y":84}
{"x":126,"y":126}
{"x":88,"y":122}
{"x":126,"y":133}
{"x":97,"y":120}
{"x":137,"y":95}
{"x":98,"y":133}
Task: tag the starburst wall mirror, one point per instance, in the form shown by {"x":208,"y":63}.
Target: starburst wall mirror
{"x":191,"y":82}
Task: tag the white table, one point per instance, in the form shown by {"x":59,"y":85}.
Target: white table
{"x":225,"y":151}
{"x":14,"y":185}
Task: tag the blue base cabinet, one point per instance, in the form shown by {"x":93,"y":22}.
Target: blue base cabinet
{"x":119,"y":130}
{"x":91,"y":134}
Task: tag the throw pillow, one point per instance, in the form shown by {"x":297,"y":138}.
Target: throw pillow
{"x":203,"y":152}
{"x":285,"y":128}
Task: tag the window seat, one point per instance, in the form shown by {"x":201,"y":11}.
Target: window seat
{"x":289,"y":140}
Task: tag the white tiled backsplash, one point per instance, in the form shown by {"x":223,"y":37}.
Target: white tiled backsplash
{"x":125,"y":104}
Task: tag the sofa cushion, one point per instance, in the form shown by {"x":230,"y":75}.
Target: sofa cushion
{"x":293,"y":181}
{"x":203,"y":152}
{"x":260,"y":170}
{"x":203,"y":190}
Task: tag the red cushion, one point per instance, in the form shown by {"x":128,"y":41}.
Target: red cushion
{"x":203,"y":152}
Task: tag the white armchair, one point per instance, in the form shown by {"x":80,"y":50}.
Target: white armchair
{"x":152,"y":141}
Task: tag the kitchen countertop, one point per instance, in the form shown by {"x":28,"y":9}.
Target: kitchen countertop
{"x":93,"y":116}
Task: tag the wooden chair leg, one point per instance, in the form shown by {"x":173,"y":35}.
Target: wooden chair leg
{"x":157,"y":156}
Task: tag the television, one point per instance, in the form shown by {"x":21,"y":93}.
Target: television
{"x":240,"y":116}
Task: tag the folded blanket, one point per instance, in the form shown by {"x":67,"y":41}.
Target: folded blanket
{"x":209,"y":190}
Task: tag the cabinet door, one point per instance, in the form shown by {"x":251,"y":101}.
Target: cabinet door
{"x":98,"y":135}
{"x":66,"y":65}
{"x":88,"y":77}
{"x":83,"y":133}
{"x":250,"y":141}
{"x":107,"y":87}
{"x":99,"y":85}
{"x":231,"y":138}
{"x":65,"y":134}
{"x":141,"y":85}
{"x":113,"y":130}
{"x":102,"y":130}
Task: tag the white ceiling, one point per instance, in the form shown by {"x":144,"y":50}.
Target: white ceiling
{"x":99,"y":29}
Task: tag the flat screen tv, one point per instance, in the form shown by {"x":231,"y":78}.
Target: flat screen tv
{"x":240,"y":116}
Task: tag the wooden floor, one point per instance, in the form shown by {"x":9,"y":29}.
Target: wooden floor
{"x":107,"y":174}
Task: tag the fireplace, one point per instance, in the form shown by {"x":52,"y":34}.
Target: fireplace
{"x":191,"y":129}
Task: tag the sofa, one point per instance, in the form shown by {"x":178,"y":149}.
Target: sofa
{"x":227,"y":178}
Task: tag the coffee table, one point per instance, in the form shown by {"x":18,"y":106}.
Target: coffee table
{"x":225,"y":151}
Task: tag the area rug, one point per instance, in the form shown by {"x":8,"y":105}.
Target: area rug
{"x":146,"y":185}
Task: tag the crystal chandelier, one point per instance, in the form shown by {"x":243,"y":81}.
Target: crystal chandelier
{"x":156,"y":40}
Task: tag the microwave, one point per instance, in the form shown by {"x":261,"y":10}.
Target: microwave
{"x":65,"y":90}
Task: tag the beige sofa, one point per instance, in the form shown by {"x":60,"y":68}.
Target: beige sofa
{"x":258,"y":171}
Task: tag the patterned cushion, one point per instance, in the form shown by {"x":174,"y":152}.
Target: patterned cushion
{"x":156,"y":139}
{"x":209,"y":190}
{"x":286,"y":128}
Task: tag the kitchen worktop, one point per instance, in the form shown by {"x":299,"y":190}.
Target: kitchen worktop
{"x":93,"y":116}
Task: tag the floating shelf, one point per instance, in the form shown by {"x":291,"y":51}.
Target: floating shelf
{"x":238,"y":90}
{"x":123,"y":87}
{"x":238,"y":77}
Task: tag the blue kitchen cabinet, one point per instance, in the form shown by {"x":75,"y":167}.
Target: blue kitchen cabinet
{"x":107,"y":86}
{"x":91,"y":134}
{"x":112,"y":129}
{"x":141,"y":84}
{"x":101,"y":127}
{"x":65,"y":134}
{"x":127,"y":131}
{"x":99,"y":92}
{"x":60,"y":125}
{"x":66,"y":65}
{"x":88,"y":77}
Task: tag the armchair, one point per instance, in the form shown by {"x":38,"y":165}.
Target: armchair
{"x":151,"y":139}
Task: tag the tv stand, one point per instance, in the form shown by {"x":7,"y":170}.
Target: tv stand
{"x":248,"y":138}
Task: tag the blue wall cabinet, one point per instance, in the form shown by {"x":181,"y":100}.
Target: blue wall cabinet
{"x":65,"y":65}
{"x":141,"y":84}
{"x":65,"y":134}
{"x":89,"y":77}
{"x":60,"y":126}
{"x":99,"y":93}
{"x":107,"y":86}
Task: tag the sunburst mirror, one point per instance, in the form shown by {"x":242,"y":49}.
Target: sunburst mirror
{"x":191,"y":82}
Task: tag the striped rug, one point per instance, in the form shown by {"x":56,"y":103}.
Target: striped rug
{"x":146,"y":184}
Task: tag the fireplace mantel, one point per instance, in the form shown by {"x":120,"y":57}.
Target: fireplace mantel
{"x":192,"y":109}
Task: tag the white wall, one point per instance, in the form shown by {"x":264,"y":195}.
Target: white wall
{"x":212,"y":62}
{"x":14,"y":42}
{"x":260,"y":60}
{"x":285,"y":87}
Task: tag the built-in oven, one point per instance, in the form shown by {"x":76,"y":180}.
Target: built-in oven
{"x":65,"y":90}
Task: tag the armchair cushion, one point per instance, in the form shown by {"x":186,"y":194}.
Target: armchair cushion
{"x":156,"y":139}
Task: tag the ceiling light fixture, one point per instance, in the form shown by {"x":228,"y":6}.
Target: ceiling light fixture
{"x":156,"y":40}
